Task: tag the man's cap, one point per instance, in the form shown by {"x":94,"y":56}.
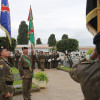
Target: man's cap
{"x":96,"y":38}
{"x":1,"y":48}
{"x":24,"y":48}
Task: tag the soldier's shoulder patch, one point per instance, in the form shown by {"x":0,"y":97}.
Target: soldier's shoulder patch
{"x":1,"y":66}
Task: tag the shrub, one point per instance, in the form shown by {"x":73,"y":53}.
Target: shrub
{"x":41,"y":76}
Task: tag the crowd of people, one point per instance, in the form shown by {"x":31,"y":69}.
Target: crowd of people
{"x":41,"y":59}
{"x":86,"y":72}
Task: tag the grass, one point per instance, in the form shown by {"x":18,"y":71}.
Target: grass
{"x":65,"y":68}
{"x":14,"y":70}
{"x":18,"y":82}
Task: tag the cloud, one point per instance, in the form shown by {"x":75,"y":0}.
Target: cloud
{"x":52,"y":16}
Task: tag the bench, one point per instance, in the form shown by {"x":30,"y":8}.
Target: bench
{"x":16,"y":78}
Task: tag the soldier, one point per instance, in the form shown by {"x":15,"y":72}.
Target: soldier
{"x":33,"y":56}
{"x":87,"y":73}
{"x":54,"y":56}
{"x":25,"y":69}
{"x":57,"y":60}
{"x":42,"y":60}
{"x":17,"y":56}
{"x":38,"y":60}
{"x":6,"y":76}
{"x":48,"y":62}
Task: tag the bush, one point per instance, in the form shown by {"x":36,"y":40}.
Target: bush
{"x":89,"y":52}
{"x":41,"y":76}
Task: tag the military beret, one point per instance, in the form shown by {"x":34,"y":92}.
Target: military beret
{"x":96,"y":38}
{"x":24,"y":48}
{"x":1,"y":48}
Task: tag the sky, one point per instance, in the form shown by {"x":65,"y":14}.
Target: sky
{"x":52,"y":17}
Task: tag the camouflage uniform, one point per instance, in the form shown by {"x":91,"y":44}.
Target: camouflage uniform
{"x":38,"y":60}
{"x":17,"y":56}
{"x":48,"y":63}
{"x":54,"y":62}
{"x":6,"y":80}
{"x":42,"y":61}
{"x":25,"y":70}
{"x":88,"y":75}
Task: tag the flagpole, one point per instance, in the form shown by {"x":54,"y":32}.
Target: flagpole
{"x":98,"y":16}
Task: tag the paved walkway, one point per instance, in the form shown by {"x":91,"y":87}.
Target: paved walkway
{"x":60,"y":87}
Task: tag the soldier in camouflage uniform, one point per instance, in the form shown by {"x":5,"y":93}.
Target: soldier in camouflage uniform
{"x":87,"y":73}
{"x":25,"y":69}
{"x":48,"y":63}
{"x":54,"y":59}
{"x":6,"y":76}
{"x":42,"y":60}
{"x":38,"y":60}
{"x":17,"y":56}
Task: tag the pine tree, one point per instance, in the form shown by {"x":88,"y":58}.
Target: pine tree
{"x":38,"y":41}
{"x":52,"y":40}
{"x":22,"y":37}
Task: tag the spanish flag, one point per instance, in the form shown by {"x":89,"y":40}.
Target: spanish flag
{"x":92,"y":16}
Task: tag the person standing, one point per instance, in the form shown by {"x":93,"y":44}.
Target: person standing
{"x":42,"y":61}
{"x":25,"y":70}
{"x":17,"y":56}
{"x":6,"y":76}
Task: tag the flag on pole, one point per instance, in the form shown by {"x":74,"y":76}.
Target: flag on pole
{"x":5,"y":22}
{"x":91,"y":15}
{"x":31,"y":27}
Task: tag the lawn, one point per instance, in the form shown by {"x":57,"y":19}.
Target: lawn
{"x":18,"y":82}
{"x":14,"y":70}
{"x":65,"y":68}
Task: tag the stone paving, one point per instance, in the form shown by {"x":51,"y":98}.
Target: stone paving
{"x":60,"y":87}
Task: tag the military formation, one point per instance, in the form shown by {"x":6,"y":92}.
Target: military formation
{"x":25,"y":64}
{"x":87,"y":74}
{"x":41,"y":59}
{"x":47,"y":60}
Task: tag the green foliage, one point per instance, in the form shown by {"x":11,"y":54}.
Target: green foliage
{"x":3,"y":42}
{"x":67,"y":44}
{"x":65,"y":68}
{"x":38,"y":41}
{"x":54,"y":48}
{"x":89,"y":52}
{"x":72,"y":45}
{"x":41,"y":76}
{"x":62,"y":45}
{"x":52,"y":40}
{"x":65,"y":36}
{"x":14,"y":70}
{"x":22,"y":33}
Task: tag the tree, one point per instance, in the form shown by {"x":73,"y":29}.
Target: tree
{"x":52,"y":40}
{"x":68,"y":45}
{"x":38,"y":41}
{"x":72,"y":45}
{"x":3,"y":43}
{"x":23,"y":33}
{"x":65,"y":36}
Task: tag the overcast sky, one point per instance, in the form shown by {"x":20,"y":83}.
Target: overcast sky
{"x":52,"y":16}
